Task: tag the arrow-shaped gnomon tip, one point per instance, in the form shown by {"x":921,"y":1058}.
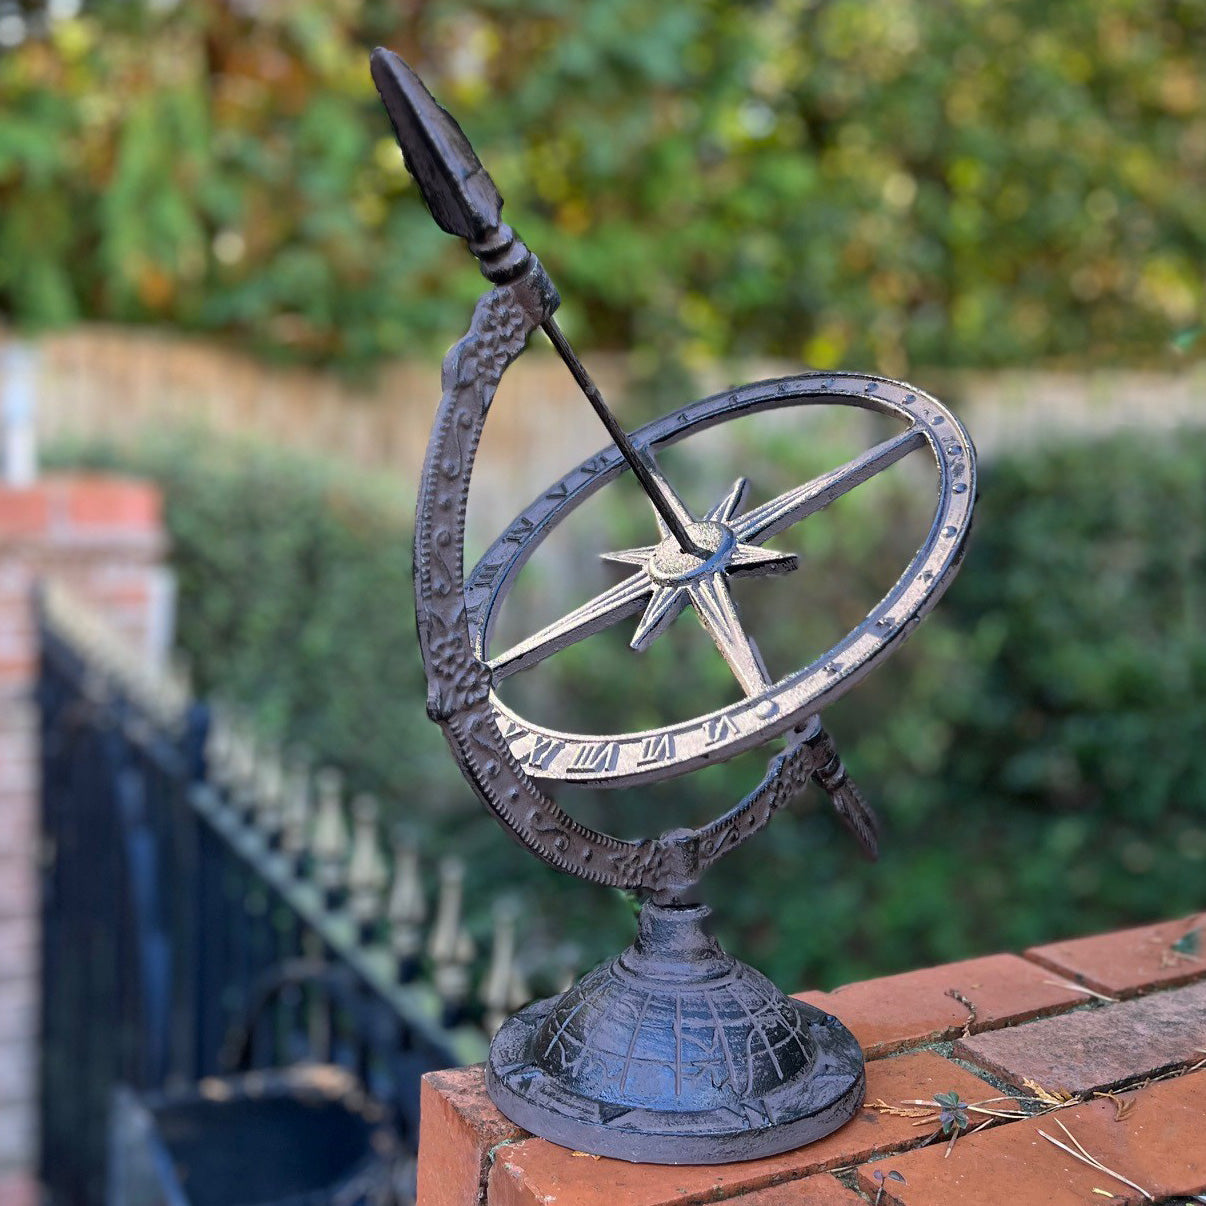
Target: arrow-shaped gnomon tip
{"x":461,"y":196}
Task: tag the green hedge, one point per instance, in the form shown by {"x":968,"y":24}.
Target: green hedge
{"x":851,"y":183}
{"x":1035,"y":751}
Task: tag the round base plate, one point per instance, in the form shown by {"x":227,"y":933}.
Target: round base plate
{"x":675,"y":1053}
{"x":827,"y":1099}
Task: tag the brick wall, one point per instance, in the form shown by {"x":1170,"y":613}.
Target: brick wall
{"x":1099,"y":1041}
{"x":102,"y":539}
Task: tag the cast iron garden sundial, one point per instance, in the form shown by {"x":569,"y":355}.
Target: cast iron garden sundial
{"x":674,"y":1052}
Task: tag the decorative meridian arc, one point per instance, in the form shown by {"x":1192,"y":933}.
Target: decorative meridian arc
{"x":803,"y":1073}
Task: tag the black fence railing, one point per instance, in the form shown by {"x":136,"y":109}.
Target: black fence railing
{"x":208,"y":910}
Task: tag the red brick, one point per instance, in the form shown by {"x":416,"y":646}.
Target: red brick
{"x":18,"y":1009}
{"x":1127,"y":962}
{"x":17,"y":618}
{"x":895,"y":1012}
{"x":17,"y":667}
{"x":19,"y":953}
{"x":19,"y":836}
{"x":459,"y":1128}
{"x":18,"y":728}
{"x":18,"y":807}
{"x":18,"y":887}
{"x":15,"y":583}
{"x":18,"y":1128}
{"x":537,"y":1171}
{"x":1160,"y":1144}
{"x":23,"y":513}
{"x":16,"y":643}
{"x":812,"y":1191}
{"x":19,"y":1189}
{"x":18,"y":1071}
{"x":1098,"y":1048}
{"x":107,"y":503}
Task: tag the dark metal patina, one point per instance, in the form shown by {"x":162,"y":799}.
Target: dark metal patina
{"x":674,"y":1052}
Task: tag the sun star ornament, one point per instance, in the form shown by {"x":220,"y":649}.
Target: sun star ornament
{"x":673,"y":1052}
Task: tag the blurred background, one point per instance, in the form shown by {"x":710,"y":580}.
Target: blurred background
{"x":216,"y":275}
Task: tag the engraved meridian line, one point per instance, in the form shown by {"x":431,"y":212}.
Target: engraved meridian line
{"x":444,"y":636}
{"x":724,"y":727}
{"x":759,"y":524}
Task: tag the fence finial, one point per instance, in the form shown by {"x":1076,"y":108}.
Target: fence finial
{"x":236,"y":773}
{"x":269,"y":793}
{"x":407,"y":909}
{"x":367,"y":872}
{"x":329,"y":841}
{"x":296,"y":808}
{"x":503,"y":982}
{"x":218,"y":743}
{"x":451,"y":948}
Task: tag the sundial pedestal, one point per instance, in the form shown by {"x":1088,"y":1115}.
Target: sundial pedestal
{"x":674,"y":1052}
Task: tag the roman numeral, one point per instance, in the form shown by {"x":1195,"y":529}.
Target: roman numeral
{"x":544,"y":751}
{"x":593,"y":757}
{"x":657,"y":749}
{"x":719,"y":728}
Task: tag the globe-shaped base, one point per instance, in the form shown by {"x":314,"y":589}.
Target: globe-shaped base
{"x":675,"y":1053}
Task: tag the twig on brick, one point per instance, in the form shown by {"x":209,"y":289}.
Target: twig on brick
{"x":908,"y":1109}
{"x":927,"y":1111}
{"x":956,"y":995}
{"x":1088,"y":992}
{"x":1122,"y":1105}
{"x":1079,"y":1152}
{"x":1054,"y":1098}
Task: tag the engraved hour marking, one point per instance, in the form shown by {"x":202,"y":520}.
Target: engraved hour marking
{"x":594,"y":756}
{"x":659,"y":748}
{"x":719,"y":728}
{"x":544,"y":752}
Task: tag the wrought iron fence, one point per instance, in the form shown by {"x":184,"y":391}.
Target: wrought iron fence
{"x":208,"y":908}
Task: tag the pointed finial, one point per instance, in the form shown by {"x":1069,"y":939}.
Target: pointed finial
{"x":296,"y":808}
{"x":462,"y":198}
{"x":457,"y":189}
{"x":269,"y":794}
{"x":329,"y":840}
{"x":407,"y":909}
{"x":566,"y":959}
{"x":451,"y":948}
{"x":367,"y":872}
{"x":502,"y":978}
{"x":245,"y":772}
{"x":180,"y":670}
{"x":218,"y":744}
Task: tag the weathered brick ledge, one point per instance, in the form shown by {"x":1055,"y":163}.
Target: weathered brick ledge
{"x":1122,"y":1014}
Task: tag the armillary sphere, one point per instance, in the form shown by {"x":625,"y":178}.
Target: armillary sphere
{"x":603,"y":1067}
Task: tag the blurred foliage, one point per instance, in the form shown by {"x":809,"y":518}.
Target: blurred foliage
{"x":1032,"y":751}
{"x":294,"y":587}
{"x":841,"y":181}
